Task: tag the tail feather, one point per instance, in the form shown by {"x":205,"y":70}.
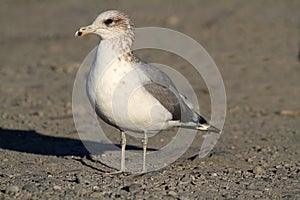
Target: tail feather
{"x":199,"y":124}
{"x":203,"y":125}
{"x":208,"y":127}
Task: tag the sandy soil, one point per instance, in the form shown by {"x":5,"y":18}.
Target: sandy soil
{"x":255,"y":46}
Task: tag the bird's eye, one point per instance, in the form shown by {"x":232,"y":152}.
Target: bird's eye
{"x":108,"y":22}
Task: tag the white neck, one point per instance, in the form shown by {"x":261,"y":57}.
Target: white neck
{"x":110,"y":49}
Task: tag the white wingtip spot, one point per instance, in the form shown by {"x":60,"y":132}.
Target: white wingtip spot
{"x":203,"y":127}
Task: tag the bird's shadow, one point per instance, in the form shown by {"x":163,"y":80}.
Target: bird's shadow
{"x":30,"y":141}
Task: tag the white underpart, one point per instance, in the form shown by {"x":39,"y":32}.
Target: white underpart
{"x":115,"y":88}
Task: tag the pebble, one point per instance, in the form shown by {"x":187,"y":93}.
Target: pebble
{"x":281,"y":172}
{"x":258,"y":170}
{"x":56,"y":187}
{"x":287,"y":165}
{"x":96,"y":188}
{"x":185,"y":179}
{"x":214,"y":174}
{"x":30,"y":188}
{"x":133,"y":187}
{"x":82,"y":191}
{"x":173,"y":193}
{"x":81,"y":179}
{"x":11,"y":190}
{"x":251,"y":186}
{"x":96,"y":195}
{"x":38,"y":113}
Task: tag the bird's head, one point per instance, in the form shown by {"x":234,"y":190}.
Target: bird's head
{"x":108,"y":24}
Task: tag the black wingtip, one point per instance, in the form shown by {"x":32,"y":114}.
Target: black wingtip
{"x":203,"y":125}
{"x":201,"y":120}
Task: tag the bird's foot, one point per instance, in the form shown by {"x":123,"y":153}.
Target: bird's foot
{"x":116,"y":172}
{"x":143,"y":171}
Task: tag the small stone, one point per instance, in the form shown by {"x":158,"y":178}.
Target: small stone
{"x":173,"y":193}
{"x":214,"y":174}
{"x":38,"y":113}
{"x":4,"y":176}
{"x":56,"y":187}
{"x":281,"y":171}
{"x":251,"y":186}
{"x":11,"y":190}
{"x":96,"y":188}
{"x":96,"y":194}
{"x":257,"y":148}
{"x":258,"y":170}
{"x":81,"y":179}
{"x":286,"y":165}
{"x":185,"y":178}
{"x":123,"y":193}
{"x":193,"y":177}
{"x":30,"y":188}
{"x":132,"y":188}
{"x":82,"y":191}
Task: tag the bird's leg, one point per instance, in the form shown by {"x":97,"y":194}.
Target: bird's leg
{"x":144,"y":142}
{"x":123,"y":145}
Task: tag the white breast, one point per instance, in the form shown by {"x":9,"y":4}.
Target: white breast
{"x":118,"y":94}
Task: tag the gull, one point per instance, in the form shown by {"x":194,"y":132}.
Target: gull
{"x":129,"y":94}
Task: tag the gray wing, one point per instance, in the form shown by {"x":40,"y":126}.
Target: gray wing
{"x":166,"y":97}
{"x":164,"y":90}
{"x":157,"y":76}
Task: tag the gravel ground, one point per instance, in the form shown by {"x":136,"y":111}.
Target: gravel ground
{"x":255,"y":45}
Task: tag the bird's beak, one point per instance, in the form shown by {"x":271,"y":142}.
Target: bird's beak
{"x":85,"y":30}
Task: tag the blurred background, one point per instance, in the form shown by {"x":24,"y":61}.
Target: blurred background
{"x":254,"y":44}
